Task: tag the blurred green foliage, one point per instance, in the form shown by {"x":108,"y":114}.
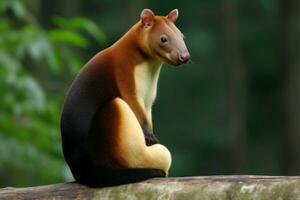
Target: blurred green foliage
{"x":31,"y":57}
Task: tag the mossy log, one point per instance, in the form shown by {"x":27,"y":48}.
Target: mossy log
{"x":202,"y":188}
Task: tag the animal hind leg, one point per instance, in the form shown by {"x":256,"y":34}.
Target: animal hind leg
{"x":131,"y":147}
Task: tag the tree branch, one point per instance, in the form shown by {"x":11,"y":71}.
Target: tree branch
{"x":211,"y":187}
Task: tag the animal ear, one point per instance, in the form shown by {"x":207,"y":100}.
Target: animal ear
{"x":147,"y":17}
{"x":173,"y":15}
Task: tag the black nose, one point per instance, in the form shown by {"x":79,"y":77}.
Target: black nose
{"x":184,"y":57}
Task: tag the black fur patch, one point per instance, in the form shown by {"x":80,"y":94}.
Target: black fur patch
{"x":107,"y":177}
{"x":149,"y":135}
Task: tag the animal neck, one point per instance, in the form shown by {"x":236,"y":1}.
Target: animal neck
{"x":134,"y":42}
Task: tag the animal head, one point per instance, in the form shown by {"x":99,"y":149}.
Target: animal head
{"x":162,"y":38}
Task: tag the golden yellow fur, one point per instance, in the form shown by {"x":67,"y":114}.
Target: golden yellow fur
{"x":132,"y":144}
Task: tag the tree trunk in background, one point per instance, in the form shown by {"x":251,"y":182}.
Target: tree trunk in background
{"x":235,"y":84}
{"x":290,"y":26}
{"x":130,"y":13}
{"x":35,"y":8}
{"x":44,"y":11}
{"x":135,"y":7}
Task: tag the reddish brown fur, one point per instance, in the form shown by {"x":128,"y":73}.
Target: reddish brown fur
{"x":90,"y":117}
{"x":119,"y":72}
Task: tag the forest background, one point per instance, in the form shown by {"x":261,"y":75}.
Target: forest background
{"x":234,"y":109}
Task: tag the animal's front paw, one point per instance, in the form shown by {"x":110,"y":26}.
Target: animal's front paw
{"x":149,"y":136}
{"x":151,"y":139}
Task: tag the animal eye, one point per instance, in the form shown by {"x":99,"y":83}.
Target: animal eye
{"x":163,"y":39}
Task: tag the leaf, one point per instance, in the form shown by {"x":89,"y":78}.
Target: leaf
{"x":4,"y":24}
{"x":67,"y":37}
{"x":74,"y":63}
{"x":19,"y":9}
{"x":80,"y":23}
{"x":3,"y":6}
{"x":53,"y":59}
{"x":95,"y":31}
{"x":35,"y":97}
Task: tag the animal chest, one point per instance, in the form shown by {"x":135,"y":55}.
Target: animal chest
{"x":146,"y":78}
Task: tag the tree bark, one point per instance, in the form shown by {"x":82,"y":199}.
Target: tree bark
{"x":214,"y":187}
{"x":290,"y":29}
{"x":235,"y":84}
{"x":135,"y":7}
